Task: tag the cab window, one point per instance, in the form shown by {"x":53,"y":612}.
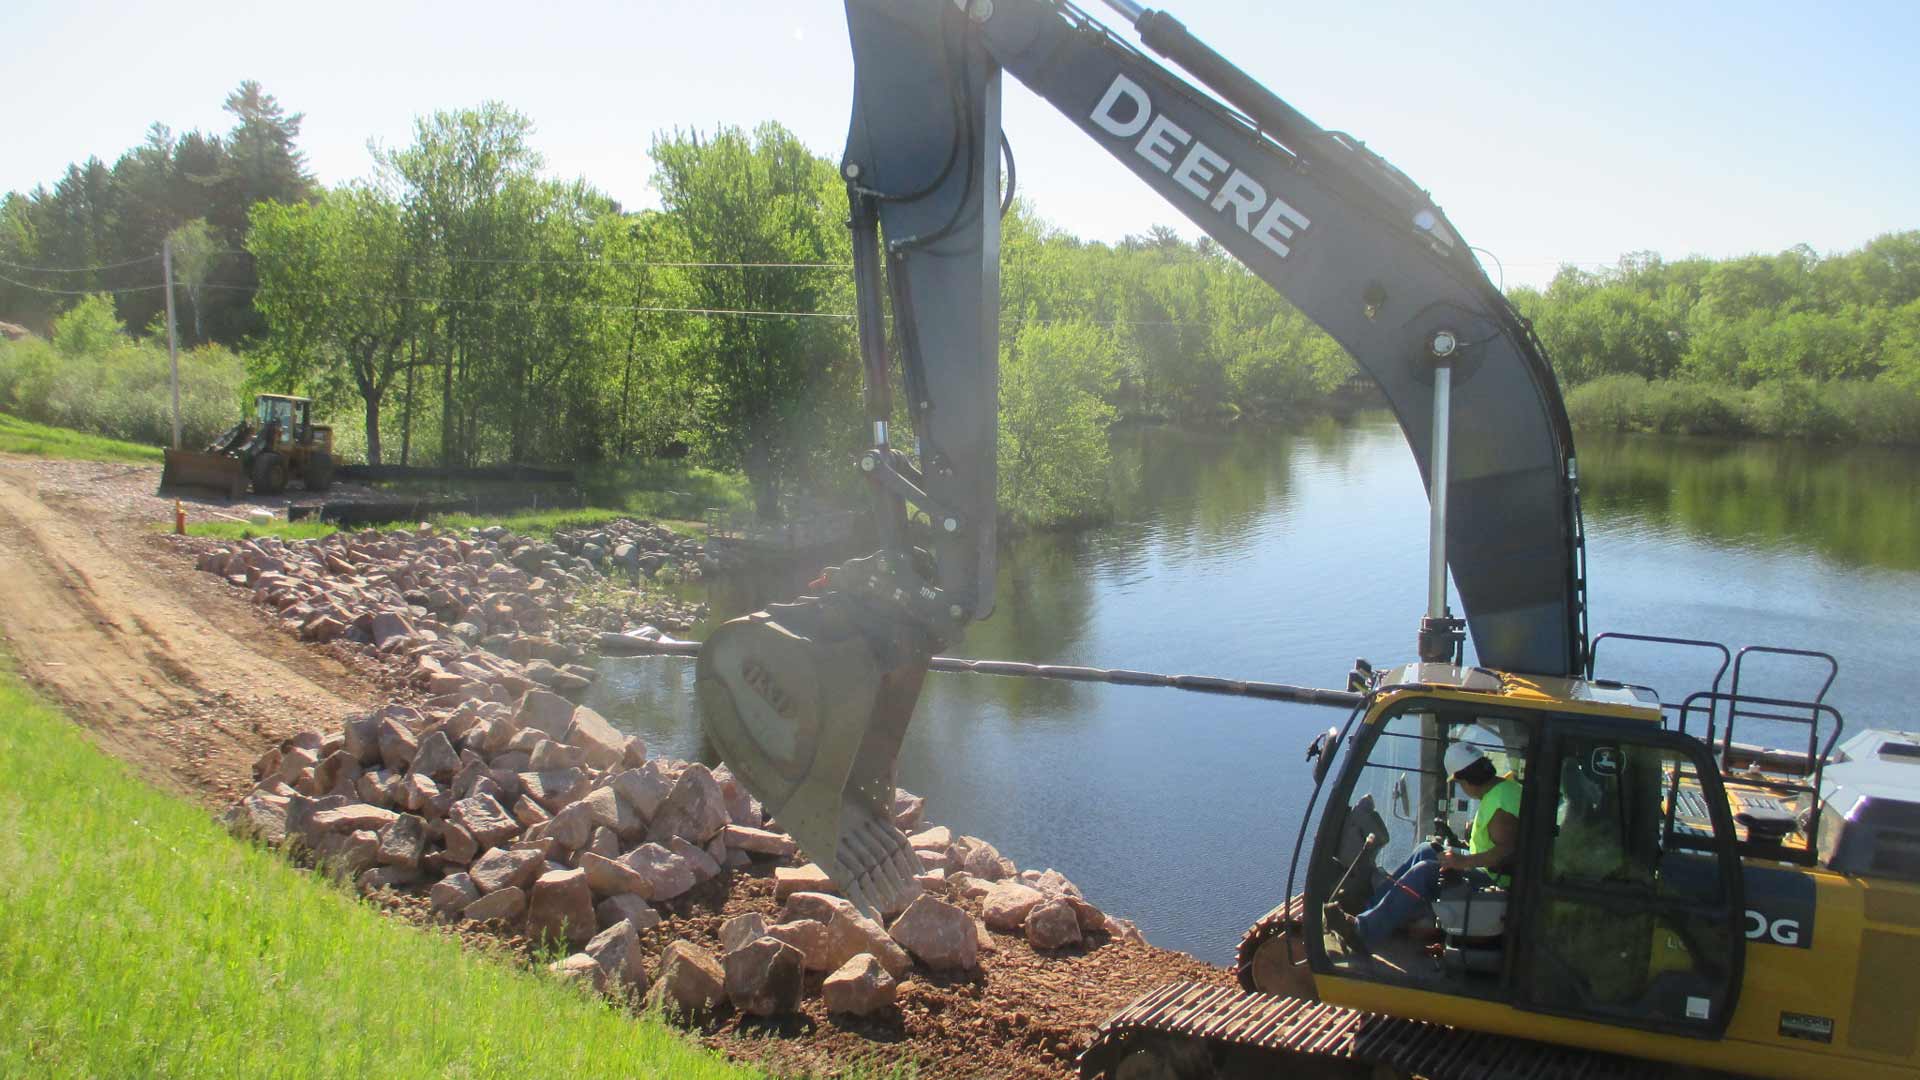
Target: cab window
{"x":1632,"y":921}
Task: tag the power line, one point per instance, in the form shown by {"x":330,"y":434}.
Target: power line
{"x":648,"y":263}
{"x":76,"y":269}
{"x":494,"y":301}
{"x":81,"y":292}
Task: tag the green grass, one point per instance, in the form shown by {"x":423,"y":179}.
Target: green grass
{"x":140,"y":940}
{"x":664,"y":489}
{"x":651,"y":488}
{"x":547,"y":522}
{"x":245,"y":530}
{"x":19,"y":436}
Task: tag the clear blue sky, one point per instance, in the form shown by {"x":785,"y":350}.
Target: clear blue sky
{"x":1551,"y":134}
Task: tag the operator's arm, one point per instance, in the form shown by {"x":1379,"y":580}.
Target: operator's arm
{"x":1504,"y":831}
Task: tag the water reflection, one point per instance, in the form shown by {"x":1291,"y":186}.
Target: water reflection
{"x":1857,"y":504}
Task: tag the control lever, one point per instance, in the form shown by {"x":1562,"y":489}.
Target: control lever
{"x":1446,"y":839}
{"x":1365,"y":846}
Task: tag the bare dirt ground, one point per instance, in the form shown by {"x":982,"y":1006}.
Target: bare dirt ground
{"x":170,"y":670}
{"x":176,"y":673}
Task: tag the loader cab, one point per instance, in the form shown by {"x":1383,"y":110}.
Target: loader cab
{"x":290,"y":413}
{"x":1621,"y":903}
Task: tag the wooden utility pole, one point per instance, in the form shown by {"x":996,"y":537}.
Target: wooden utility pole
{"x":173,"y":346}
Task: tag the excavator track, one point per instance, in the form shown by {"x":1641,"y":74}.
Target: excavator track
{"x":1217,"y":1031}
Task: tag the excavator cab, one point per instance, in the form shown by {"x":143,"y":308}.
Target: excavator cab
{"x":1623,"y":905}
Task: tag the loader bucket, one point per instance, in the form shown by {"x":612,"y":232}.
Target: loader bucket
{"x":808,"y":706}
{"x":222,"y":474}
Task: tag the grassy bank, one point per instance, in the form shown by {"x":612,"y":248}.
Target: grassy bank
{"x":246,"y":530}
{"x":1875,"y":411}
{"x":19,"y":436}
{"x":140,"y":940}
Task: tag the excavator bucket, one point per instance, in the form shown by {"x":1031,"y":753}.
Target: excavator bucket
{"x":807,"y":704}
{"x":222,"y":474}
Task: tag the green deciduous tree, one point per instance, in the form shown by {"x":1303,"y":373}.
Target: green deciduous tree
{"x":336,"y":294}
{"x":89,"y":328}
{"x":751,"y":201}
{"x":1053,"y":454}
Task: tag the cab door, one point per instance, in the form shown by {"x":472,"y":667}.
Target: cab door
{"x":1632,"y":902}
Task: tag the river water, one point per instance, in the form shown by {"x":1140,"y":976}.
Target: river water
{"x":1265,"y":553}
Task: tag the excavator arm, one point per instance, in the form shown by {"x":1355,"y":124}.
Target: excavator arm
{"x":809,"y":701}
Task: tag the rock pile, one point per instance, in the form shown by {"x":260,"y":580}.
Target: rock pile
{"x":636,"y":548}
{"x":484,"y":615}
{"x":506,"y":804}
{"x":540,"y":818}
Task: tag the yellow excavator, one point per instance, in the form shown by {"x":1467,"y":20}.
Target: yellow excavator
{"x":1711,"y":883}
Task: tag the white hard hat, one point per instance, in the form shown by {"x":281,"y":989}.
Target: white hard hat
{"x":1462,"y":752}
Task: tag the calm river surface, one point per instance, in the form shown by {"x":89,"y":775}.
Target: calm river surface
{"x":1261,"y":553}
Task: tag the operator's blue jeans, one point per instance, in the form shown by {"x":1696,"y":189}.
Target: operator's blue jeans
{"x":1407,"y":893}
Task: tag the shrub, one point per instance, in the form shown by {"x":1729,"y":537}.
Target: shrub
{"x":122,"y":391}
{"x":1609,"y":403}
{"x":89,"y":328}
{"x":1882,"y":410}
{"x":1793,"y":408}
{"x":1692,"y":408}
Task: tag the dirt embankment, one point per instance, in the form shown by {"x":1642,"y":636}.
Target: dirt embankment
{"x":177,"y":673}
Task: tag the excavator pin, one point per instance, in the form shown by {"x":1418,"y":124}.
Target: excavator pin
{"x":807,"y":703}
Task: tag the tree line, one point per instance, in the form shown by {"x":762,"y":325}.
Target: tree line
{"x":99,"y":228}
{"x":1790,"y":344}
{"x":458,"y":305}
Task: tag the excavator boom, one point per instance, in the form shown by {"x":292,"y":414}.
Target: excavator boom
{"x":1345,"y":236}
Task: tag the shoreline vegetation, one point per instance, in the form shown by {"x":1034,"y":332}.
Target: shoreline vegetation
{"x":460,"y":306}
{"x":1841,"y":411}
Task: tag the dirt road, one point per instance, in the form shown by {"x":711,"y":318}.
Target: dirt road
{"x":168,"y":669}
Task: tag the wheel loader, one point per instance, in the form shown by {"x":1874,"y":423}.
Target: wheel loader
{"x":280,"y":443}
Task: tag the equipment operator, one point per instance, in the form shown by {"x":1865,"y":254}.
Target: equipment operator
{"x":1412,"y":888}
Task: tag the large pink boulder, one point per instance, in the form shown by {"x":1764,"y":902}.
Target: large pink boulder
{"x":663,"y":875}
{"x":938,"y":935}
{"x":1007,"y":904}
{"x":695,"y":810}
{"x":1053,"y":925}
{"x":764,"y":977}
{"x":561,"y":908}
{"x":689,"y":979}
{"x":860,"y":987}
{"x":503,"y":868}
